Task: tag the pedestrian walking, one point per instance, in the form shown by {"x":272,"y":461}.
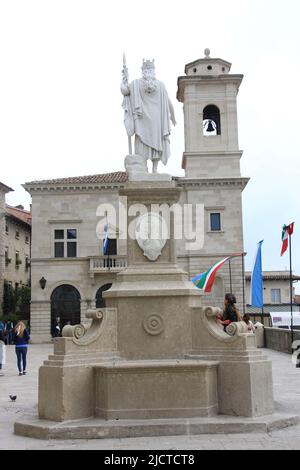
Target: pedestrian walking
{"x":2,"y":346}
{"x":21,"y":339}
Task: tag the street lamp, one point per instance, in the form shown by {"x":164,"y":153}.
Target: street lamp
{"x":43,"y":282}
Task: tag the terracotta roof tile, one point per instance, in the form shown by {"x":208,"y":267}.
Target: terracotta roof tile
{"x":20,"y":214}
{"x":116,"y":177}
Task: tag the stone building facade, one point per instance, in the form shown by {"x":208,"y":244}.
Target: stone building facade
{"x":276,"y":287}
{"x":69,"y":270}
{"x":3,"y":190}
{"x":17,"y":245}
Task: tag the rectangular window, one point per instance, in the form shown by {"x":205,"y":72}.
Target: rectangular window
{"x":59,"y":234}
{"x":7,"y":258}
{"x":27,"y":239}
{"x":276,"y":296}
{"x":72,"y":234}
{"x":71,"y":249}
{"x":66,"y":247}
{"x":18,"y":260}
{"x":27,"y":263}
{"x":215,"y":222}
{"x":6,"y":229}
{"x":17,"y":234}
{"x":59,"y":249}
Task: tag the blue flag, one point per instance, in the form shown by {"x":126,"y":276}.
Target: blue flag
{"x":106,"y":240}
{"x":256,"y":288}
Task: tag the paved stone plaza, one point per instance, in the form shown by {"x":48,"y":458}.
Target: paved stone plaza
{"x":287,"y":396}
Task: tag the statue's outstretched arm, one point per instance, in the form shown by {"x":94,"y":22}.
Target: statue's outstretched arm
{"x":172,"y":113}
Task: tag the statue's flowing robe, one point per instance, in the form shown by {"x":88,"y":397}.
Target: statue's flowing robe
{"x":147,"y":115}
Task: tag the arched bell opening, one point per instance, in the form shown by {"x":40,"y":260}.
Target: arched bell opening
{"x":211,"y":121}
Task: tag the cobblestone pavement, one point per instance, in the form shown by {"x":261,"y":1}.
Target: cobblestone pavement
{"x":286,"y":390}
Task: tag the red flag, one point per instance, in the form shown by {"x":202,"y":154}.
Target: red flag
{"x":290,"y":228}
{"x":286,"y":231}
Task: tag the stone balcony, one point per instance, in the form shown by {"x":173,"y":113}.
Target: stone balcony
{"x":102,"y":264}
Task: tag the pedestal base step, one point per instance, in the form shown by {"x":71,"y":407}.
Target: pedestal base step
{"x":95,"y":428}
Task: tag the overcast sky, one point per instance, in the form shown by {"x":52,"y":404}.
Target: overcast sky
{"x":60,"y":101}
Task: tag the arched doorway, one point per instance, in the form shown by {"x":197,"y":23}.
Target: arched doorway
{"x":100,"y":302}
{"x":65,"y":305}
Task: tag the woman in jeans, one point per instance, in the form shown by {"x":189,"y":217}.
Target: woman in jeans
{"x":21,"y":339}
{"x":2,"y":346}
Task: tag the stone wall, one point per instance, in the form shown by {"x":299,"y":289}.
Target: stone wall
{"x":279,"y":339}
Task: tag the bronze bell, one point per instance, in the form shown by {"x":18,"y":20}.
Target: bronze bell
{"x":210,"y":127}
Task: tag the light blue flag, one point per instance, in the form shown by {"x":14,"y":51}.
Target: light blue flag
{"x":106,"y":240}
{"x":256,"y":288}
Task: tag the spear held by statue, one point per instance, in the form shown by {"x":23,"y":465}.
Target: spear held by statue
{"x":129,"y":125}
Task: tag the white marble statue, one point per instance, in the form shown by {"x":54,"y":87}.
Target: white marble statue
{"x":148,"y":111}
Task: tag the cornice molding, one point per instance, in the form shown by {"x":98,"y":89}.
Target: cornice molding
{"x":184,"y":182}
{"x":182,"y":81}
{"x":207,"y":255}
{"x":59,"y":260}
{"x":71,"y":188}
{"x":214,"y":154}
{"x":196,"y":183}
{"x":65,"y":221}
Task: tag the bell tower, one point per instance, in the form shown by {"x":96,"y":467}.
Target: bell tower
{"x":209,"y":96}
{"x":211,"y":161}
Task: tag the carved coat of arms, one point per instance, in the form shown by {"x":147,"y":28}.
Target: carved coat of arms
{"x":151,"y":234}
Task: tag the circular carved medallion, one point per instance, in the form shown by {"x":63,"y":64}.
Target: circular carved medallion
{"x":153,"y":324}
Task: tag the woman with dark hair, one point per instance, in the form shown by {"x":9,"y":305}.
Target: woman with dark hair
{"x":230,"y":312}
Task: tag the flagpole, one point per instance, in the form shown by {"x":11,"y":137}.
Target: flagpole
{"x":230,"y":279}
{"x":243,"y":281}
{"x":262,"y":295}
{"x":262,"y":307}
{"x":291,"y":290}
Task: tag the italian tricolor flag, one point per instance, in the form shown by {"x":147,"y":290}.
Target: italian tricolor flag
{"x":286,"y":231}
{"x":205,"y":280}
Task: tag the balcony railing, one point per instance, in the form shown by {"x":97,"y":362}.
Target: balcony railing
{"x":114,"y":263}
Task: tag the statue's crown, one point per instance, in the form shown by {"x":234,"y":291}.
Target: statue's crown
{"x":148,"y":64}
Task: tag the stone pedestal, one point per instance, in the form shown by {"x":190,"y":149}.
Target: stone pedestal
{"x":154,"y":312}
{"x":66,"y":379}
{"x":156,"y":389}
{"x":245,"y":384}
{"x":154,"y":299}
{"x":155,"y":353}
{"x":137,"y":170}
